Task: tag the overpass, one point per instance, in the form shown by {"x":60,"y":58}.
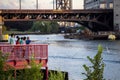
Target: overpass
{"x":94,"y":19}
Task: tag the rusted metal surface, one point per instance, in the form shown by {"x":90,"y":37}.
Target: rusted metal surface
{"x":94,"y":19}
{"x":20,"y":55}
{"x":63,"y":4}
{"x":18,"y":52}
{"x":56,"y":11}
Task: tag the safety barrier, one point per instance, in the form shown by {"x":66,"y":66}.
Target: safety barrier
{"x":20,"y":55}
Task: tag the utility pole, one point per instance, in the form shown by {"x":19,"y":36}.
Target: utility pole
{"x":36,"y":4}
{"x":53,"y":5}
{"x":19,"y":4}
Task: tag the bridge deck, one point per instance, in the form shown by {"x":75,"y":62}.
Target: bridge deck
{"x":33,"y":11}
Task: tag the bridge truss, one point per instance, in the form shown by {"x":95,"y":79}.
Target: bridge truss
{"x":95,"y":20}
{"x":63,"y":4}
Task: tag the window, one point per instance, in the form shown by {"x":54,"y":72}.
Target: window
{"x":103,"y":5}
{"x":117,"y":15}
{"x":88,"y":1}
{"x":111,"y":5}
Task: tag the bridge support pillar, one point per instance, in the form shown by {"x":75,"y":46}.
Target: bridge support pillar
{"x":1,"y":24}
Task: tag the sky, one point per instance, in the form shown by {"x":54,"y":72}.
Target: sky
{"x":31,"y":4}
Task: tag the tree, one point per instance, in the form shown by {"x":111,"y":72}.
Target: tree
{"x":4,"y":29}
{"x":55,"y":26}
{"x":6,"y":71}
{"x":45,"y":26}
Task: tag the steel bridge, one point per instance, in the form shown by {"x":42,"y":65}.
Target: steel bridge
{"x":94,"y":19}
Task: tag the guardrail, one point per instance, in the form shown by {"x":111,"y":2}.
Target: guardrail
{"x":20,"y":55}
{"x":18,"y":52}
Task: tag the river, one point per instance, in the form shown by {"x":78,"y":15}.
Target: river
{"x":70,"y":54}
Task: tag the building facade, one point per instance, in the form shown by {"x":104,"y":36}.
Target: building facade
{"x":62,"y":4}
{"x":117,"y":15}
{"x":106,"y":4}
{"x":98,"y":4}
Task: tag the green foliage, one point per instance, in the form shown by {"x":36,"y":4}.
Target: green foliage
{"x":33,"y":73}
{"x":82,"y":28}
{"x":95,"y":72}
{"x":57,"y":76}
{"x":45,"y":26}
{"x":6,"y":71}
{"x":55,"y":26}
{"x":4,"y":29}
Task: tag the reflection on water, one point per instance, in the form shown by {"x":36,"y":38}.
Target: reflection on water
{"x":70,"y":54}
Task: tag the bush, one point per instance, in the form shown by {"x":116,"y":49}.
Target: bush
{"x":95,"y":72}
{"x":32,"y":73}
{"x":6,"y":71}
{"x":58,"y":75}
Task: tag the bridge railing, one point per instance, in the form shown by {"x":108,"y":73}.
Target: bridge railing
{"x":18,"y":52}
{"x":20,"y":55}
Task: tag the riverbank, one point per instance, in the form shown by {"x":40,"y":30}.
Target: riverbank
{"x":26,"y":33}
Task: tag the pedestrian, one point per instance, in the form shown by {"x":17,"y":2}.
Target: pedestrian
{"x":12,"y":39}
{"x":18,"y":40}
{"x":24,"y":40}
{"x":28,"y":41}
{"x":21,"y":40}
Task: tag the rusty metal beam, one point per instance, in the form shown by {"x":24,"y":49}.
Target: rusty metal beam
{"x":97,"y":17}
{"x":63,"y":4}
{"x":56,"y":11}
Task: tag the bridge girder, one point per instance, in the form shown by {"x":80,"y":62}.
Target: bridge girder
{"x":95,"y":20}
{"x":63,"y":4}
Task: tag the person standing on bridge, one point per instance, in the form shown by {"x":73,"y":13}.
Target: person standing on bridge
{"x":28,"y":41}
{"x":12,"y":39}
{"x":18,"y":40}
